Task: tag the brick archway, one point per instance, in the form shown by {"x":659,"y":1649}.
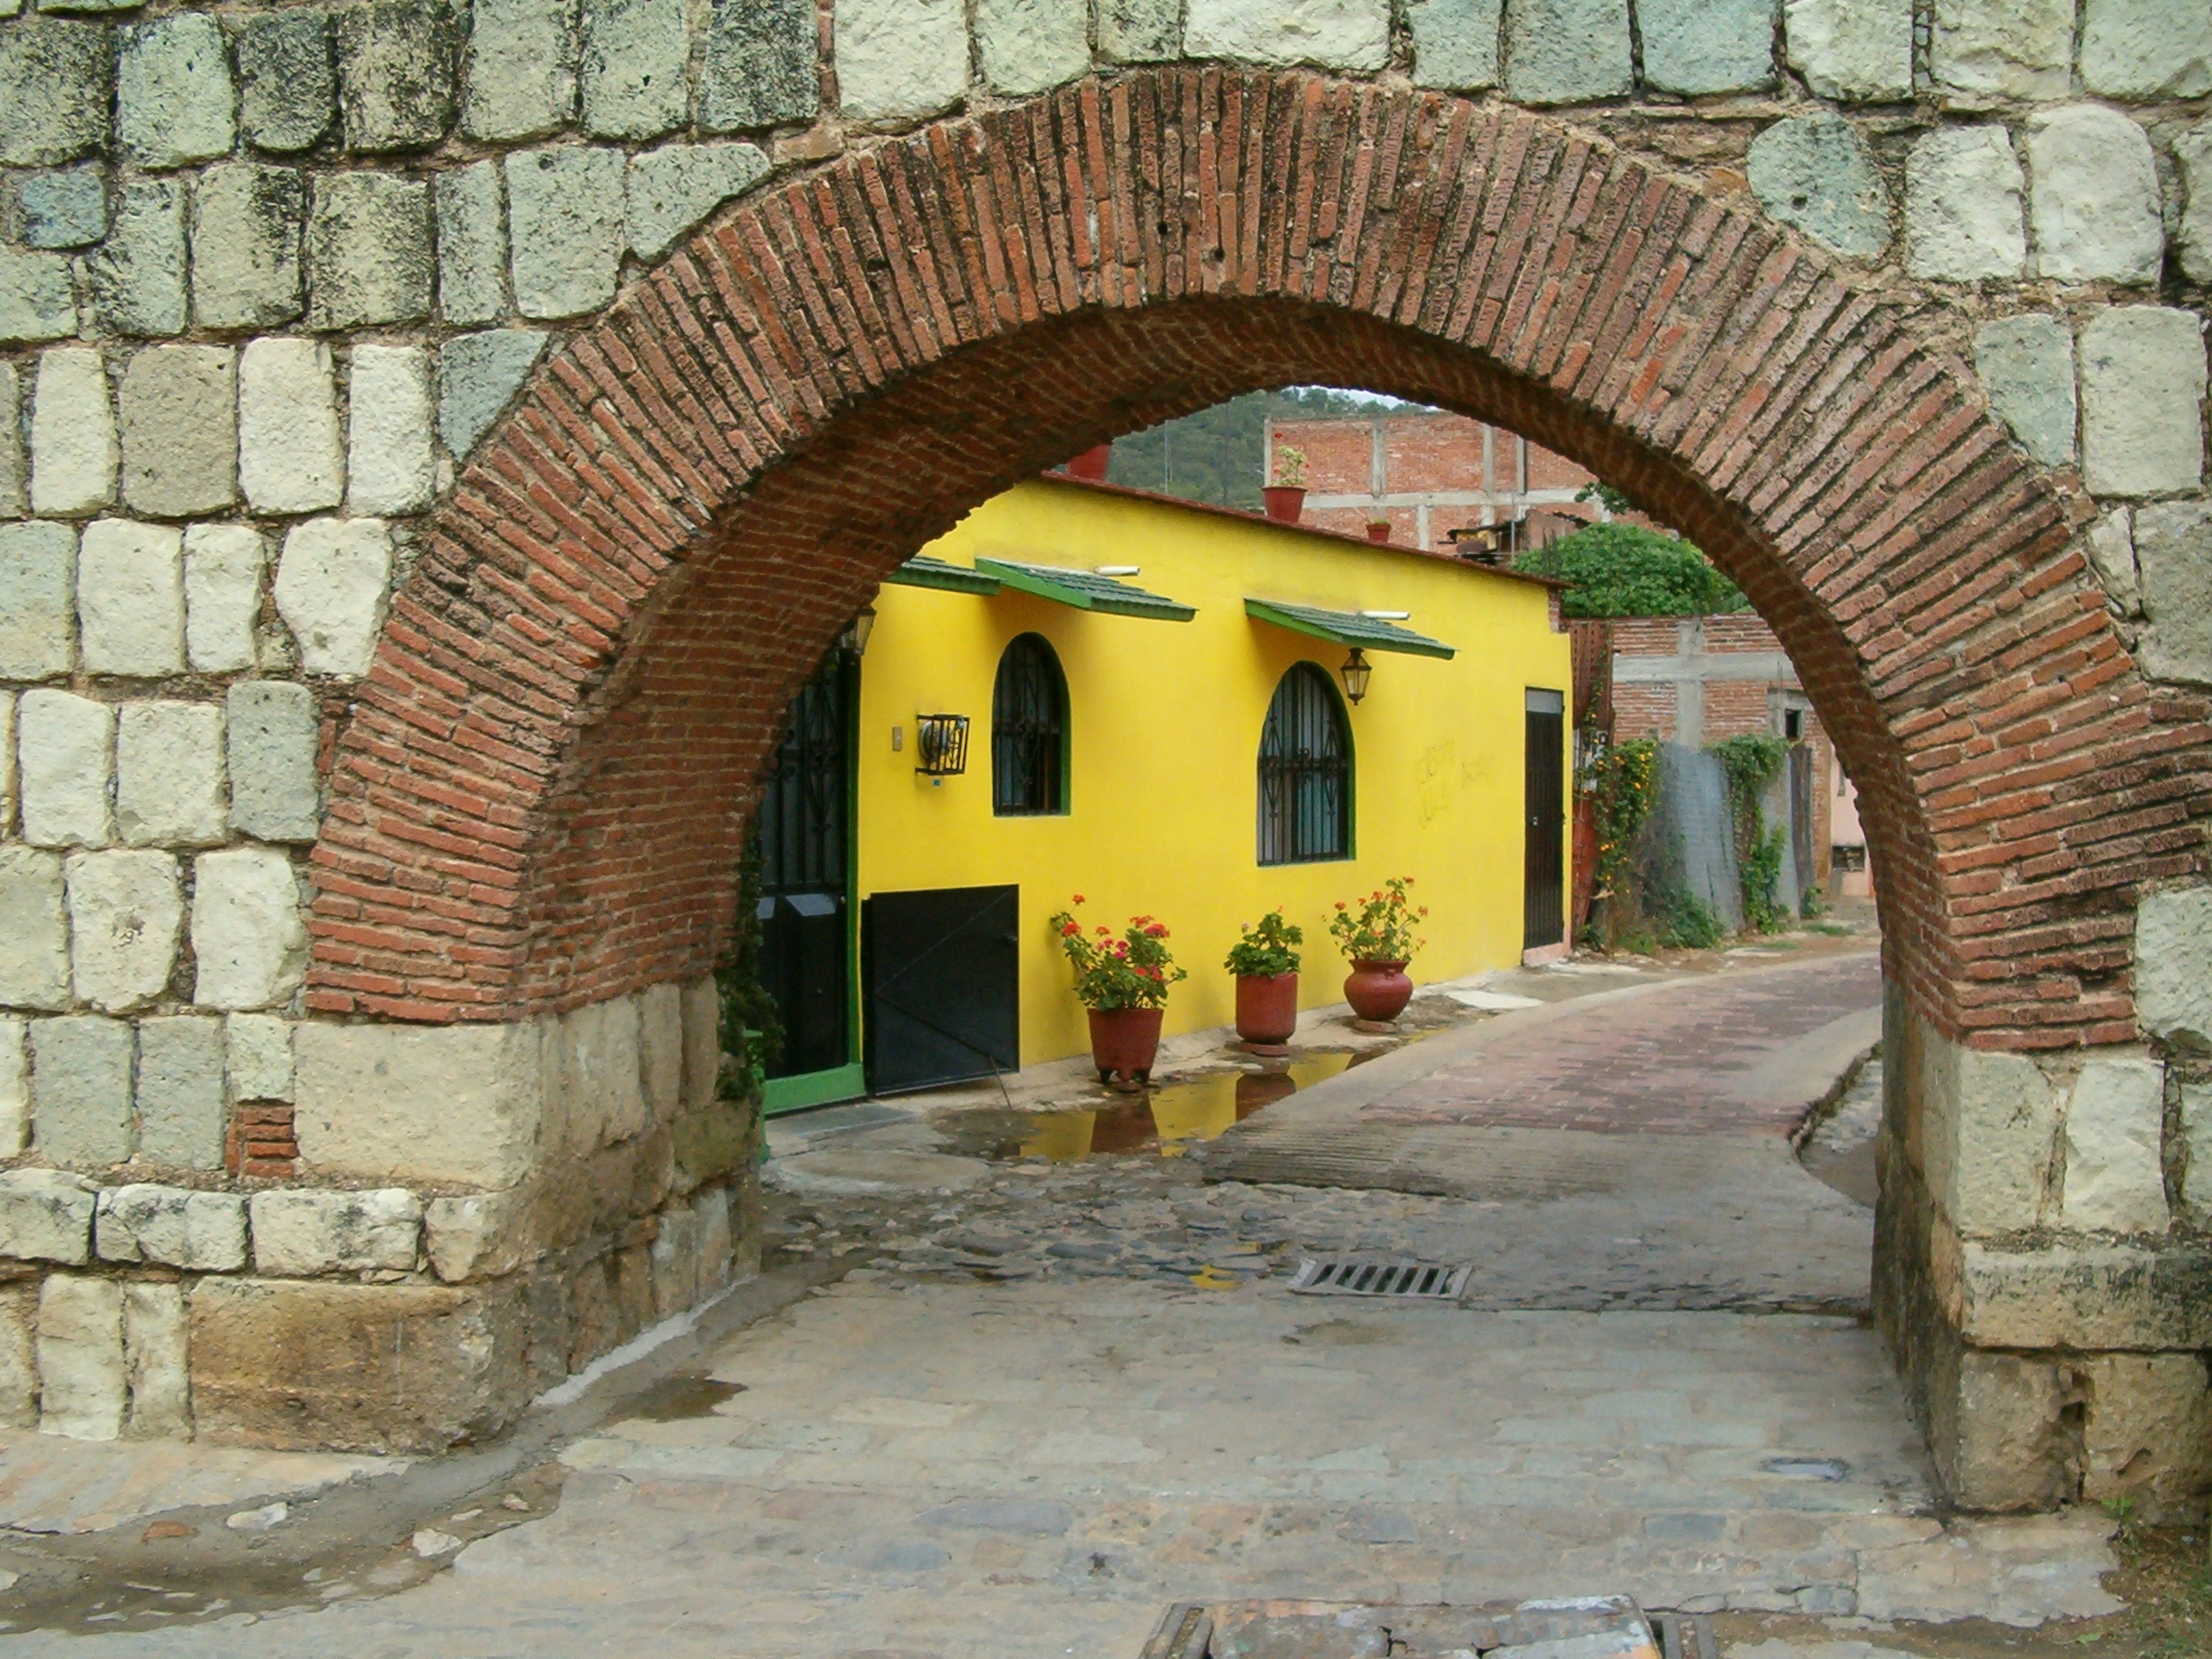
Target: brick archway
{"x":540,"y":795}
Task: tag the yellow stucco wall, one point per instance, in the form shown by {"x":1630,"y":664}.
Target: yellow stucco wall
{"x":1165,"y":720}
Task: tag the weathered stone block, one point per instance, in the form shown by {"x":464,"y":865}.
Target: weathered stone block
{"x":34,"y":930}
{"x":1855,"y":50}
{"x":46,"y":1216}
{"x":63,"y":210}
{"x":2112,"y":549}
{"x":2026,"y":366}
{"x":301,"y":1233}
{"x":179,"y":408}
{"x":675,"y":1263}
{"x":710,"y":1213}
{"x":2196,"y":1140}
{"x":472,"y":244}
{"x":250,"y":945}
{"x":565,"y":213}
{"x":332,"y":582}
{"x":899,"y":60}
{"x":247,"y":222}
{"x":660,"y":1048}
{"x":1147,"y":31}
{"x":2145,"y":49}
{"x":632,"y":1274}
{"x":15,"y":1075}
{"x":635,"y":55}
{"x":396,"y":73}
{"x":137,"y":275}
{"x":19,"y":1355}
{"x":673,"y":188}
{"x":1566,"y":51}
{"x":126,"y":911}
{"x":520,"y":70}
{"x":478,"y":375}
{"x":1701,"y":46}
{"x":2002,"y":48}
{"x":74,"y":453}
{"x":476,"y":1235}
{"x":289,"y":459}
{"x":2114,"y":1121}
{"x":1455,"y":43}
{"x":64,"y":745}
{"x":172,"y":1227}
{"x":2143,"y":391}
{"x":2086,"y":1297}
{"x":377,"y":1368}
{"x":156,"y":1368}
{"x":368,"y":251}
{"x":14,"y":476}
{"x":594,"y":1326}
{"x":1816,"y":172}
{"x":222,"y":595}
{"x":703,"y":1042}
{"x":169,"y":774}
{"x":2173,"y":965}
{"x":1962,"y":205}
{"x":1028,"y":46}
{"x":81,"y":1090}
{"x":2174,"y":551}
{"x":35,"y":300}
{"x":81,"y":1380}
{"x":594,"y":1084}
{"x":287,"y":90}
{"x":759,"y":67}
{"x":260,"y":1057}
{"x":274,"y":732}
{"x":180,"y":1093}
{"x":2147,"y":1434}
{"x":458,"y":1103}
{"x":2006,"y":1448}
{"x":173,"y":95}
{"x":2192,"y":155}
{"x":1988,"y":1126}
{"x":55,"y":82}
{"x":38,"y":599}
{"x":131,"y":598}
{"x":1350,"y":34}
{"x":2094,"y":197}
{"x":391,"y":466}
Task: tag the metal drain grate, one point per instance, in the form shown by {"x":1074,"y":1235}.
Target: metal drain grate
{"x":1342,"y":1275}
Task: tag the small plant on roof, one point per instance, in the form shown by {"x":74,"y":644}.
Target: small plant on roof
{"x":1133,"y":971}
{"x":1379,"y":928}
{"x":1290,"y":466}
{"x":1266,"y":948}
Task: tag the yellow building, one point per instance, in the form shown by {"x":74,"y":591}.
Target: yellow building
{"x":1085,"y":689}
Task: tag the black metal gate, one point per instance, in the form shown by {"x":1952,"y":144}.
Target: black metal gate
{"x":805,"y":831}
{"x":1542,"y":909}
{"x":942,"y":970}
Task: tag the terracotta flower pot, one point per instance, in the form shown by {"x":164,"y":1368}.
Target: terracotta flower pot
{"x":1124,"y":1043}
{"x":1092,"y":462}
{"x":1267,"y":1008}
{"x":1285,"y":502}
{"x":1378,"y":991}
{"x":1379,"y":534}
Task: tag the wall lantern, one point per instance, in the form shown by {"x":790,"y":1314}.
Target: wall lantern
{"x":1355,"y":670}
{"x":940,"y":743}
{"x":856,"y":639}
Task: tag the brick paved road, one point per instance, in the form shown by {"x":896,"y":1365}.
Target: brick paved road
{"x":1695,"y":1058}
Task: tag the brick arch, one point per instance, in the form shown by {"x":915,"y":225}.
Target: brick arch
{"x":539,"y":797}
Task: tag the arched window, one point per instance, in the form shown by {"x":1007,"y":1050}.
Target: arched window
{"x":1029,"y":730}
{"x":1306,"y":772}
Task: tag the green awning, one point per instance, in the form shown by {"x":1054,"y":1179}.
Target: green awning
{"x":922,"y":571}
{"x":1085,"y":590}
{"x":1348,"y":627}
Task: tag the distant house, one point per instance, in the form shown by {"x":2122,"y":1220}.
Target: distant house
{"x":1089,"y":689}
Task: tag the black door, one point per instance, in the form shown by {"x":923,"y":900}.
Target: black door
{"x":944,"y":990}
{"x":1543,"y":920}
{"x":805,"y":829}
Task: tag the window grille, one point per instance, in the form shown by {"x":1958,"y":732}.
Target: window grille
{"x":1306,"y":772}
{"x":1029,"y":730}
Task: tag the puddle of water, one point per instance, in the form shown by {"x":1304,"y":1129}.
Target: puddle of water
{"x":674,"y":1398}
{"x":1169,"y":1118}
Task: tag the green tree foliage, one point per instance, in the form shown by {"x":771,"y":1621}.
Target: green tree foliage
{"x":1622,"y":570}
{"x":1216,"y":456}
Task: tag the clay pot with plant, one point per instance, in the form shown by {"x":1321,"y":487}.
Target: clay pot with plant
{"x":1377,"y":935}
{"x":1123,"y":984}
{"x":1286,"y":496}
{"x":1265,"y":960}
{"x":1378,"y":532}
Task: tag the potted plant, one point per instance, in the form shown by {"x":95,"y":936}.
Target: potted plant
{"x":1378,"y":532}
{"x":1376,"y":934}
{"x":1286,"y":496}
{"x":1265,"y":960}
{"x":1123,"y":982}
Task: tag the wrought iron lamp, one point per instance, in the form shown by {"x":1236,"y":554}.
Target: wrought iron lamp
{"x":940,"y":743}
{"x":857,"y":631}
{"x":1355,"y":670}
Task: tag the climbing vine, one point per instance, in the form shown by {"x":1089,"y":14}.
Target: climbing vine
{"x":752,"y":1034}
{"x":1751,"y":763}
{"x":1623,"y":785}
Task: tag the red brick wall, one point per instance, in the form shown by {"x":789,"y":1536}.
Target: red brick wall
{"x":538,"y":797}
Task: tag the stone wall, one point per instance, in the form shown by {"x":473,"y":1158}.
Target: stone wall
{"x":268,"y":279}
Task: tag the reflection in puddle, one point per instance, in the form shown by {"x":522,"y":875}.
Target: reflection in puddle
{"x":1168,"y":1118}
{"x":675,"y":1398}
